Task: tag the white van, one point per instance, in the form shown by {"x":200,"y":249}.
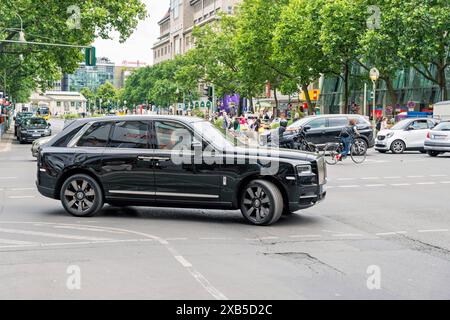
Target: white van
{"x":441,"y":111}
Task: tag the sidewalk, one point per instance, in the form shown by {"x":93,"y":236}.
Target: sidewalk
{"x":5,"y":141}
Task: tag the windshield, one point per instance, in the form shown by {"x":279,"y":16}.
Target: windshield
{"x":299,"y":123}
{"x":25,"y":115}
{"x":217,"y":137}
{"x":401,"y":125}
{"x":445,"y":126}
{"x":35,"y":122}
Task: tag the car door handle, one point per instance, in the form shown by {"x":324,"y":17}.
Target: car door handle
{"x":160,"y":159}
{"x":142,"y":158}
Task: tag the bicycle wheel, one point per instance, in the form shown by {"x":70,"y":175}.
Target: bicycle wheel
{"x":358,"y":153}
{"x":330,"y":152}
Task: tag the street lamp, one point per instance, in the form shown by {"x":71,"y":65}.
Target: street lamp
{"x":374,"y":76}
{"x":21,"y":32}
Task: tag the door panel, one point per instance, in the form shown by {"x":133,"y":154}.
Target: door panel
{"x":318,"y":131}
{"x":127,"y":171}
{"x":415,"y":138}
{"x":180,"y":173}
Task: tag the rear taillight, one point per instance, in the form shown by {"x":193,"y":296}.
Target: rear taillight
{"x":428,"y":135}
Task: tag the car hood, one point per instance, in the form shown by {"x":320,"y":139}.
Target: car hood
{"x":40,"y":127}
{"x":385,"y":132}
{"x":282,"y":154}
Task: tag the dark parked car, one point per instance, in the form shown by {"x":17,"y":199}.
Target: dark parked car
{"x":31,"y":129}
{"x":176,"y":162}
{"x":324,"y":129}
{"x":19,"y":118}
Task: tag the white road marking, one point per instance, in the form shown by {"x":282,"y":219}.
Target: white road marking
{"x":176,"y":239}
{"x":351,"y":186}
{"x":370,"y":178}
{"x":306,"y":236}
{"x":425,"y":183}
{"x":347,"y":235}
{"x":93,"y":229}
{"x":21,"y":197}
{"x":438,"y":175}
{"x":397,"y":177}
{"x":21,"y":189}
{"x":414,"y":177}
{"x":346,"y":179}
{"x":218,"y":238}
{"x":16,"y":242}
{"x":400,"y":184}
{"x":269,"y":238}
{"x":436,"y":230}
{"x":445,"y":182}
{"x":391,"y":233}
{"x":375,"y":185}
{"x":51,"y":235}
{"x":183,"y":262}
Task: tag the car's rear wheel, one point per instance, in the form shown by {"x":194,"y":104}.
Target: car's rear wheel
{"x":382,"y":151}
{"x":81,"y":196}
{"x":433,"y":153}
{"x":398,"y":146}
{"x":261,"y":203}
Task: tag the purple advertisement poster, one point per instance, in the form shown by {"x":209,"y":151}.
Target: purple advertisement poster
{"x":229,"y":103}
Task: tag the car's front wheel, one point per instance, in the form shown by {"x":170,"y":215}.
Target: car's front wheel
{"x":398,"y":146}
{"x":433,"y":153}
{"x":261,"y":203}
{"x":81,"y":196}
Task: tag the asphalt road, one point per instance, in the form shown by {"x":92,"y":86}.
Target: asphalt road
{"x":382,"y":233}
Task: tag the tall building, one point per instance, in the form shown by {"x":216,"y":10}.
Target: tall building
{"x":177,"y":25}
{"x":90,"y":77}
{"x":124,"y":70}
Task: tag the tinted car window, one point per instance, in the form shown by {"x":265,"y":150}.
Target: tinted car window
{"x":444,"y":126}
{"x":96,"y":136}
{"x":66,"y":139}
{"x":337,"y":122}
{"x":172,"y":136}
{"x":130,"y":134}
{"x":318,"y":123}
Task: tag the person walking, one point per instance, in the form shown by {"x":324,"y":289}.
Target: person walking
{"x":384,"y":124}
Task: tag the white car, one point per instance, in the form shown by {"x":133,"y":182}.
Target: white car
{"x":409,"y":134}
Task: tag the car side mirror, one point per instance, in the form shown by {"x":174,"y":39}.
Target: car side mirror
{"x":49,"y":124}
{"x":410,"y":128}
{"x":307,"y":128}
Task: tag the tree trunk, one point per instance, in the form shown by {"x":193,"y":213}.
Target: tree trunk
{"x":308,"y":98}
{"x":275,"y":96}
{"x":345,"y":93}
{"x":442,"y":79}
{"x":391,"y":90}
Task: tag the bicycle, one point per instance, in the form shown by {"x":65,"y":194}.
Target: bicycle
{"x":358,"y":151}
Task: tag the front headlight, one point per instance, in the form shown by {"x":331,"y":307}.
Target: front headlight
{"x":304,"y":170}
{"x":390,"y":135}
{"x":47,"y":131}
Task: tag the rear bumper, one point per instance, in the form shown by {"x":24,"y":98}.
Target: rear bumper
{"x":46,"y":192}
{"x":437,"y":146}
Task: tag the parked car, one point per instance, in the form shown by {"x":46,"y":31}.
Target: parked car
{"x":32,"y":129}
{"x":37,"y":144}
{"x":19,"y":118}
{"x":438,"y":139}
{"x":325,"y":128}
{"x":136,"y":160}
{"x":407,"y":135}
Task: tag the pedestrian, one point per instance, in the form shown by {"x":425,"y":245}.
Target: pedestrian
{"x":347,"y":137}
{"x":384,"y":124}
{"x":236,"y":124}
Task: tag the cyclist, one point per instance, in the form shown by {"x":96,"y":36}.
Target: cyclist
{"x":347,"y":137}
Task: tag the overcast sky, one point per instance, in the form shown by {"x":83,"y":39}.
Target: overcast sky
{"x":139,"y":45}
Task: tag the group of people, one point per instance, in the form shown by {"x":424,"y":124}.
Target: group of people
{"x":241,"y":123}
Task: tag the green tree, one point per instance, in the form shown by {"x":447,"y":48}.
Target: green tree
{"x":90,"y":97}
{"x":50,"y":21}
{"x":343,"y":22}
{"x":107,"y":93}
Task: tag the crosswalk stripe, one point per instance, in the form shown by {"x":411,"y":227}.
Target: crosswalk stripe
{"x":51,"y":235}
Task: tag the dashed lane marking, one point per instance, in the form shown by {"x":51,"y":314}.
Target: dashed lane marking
{"x":375,"y":185}
{"x":425,"y":183}
{"x":436,"y":230}
{"x":390,"y":233}
{"x":50,"y":235}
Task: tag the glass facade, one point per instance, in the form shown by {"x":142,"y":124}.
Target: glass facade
{"x":411,"y":87}
{"x":90,"y":77}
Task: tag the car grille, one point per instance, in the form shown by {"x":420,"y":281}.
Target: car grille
{"x":381,"y":138}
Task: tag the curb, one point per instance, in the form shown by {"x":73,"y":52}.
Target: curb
{"x":5,"y":142}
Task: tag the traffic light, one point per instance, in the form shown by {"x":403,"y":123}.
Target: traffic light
{"x":208,"y":92}
{"x":90,"y":57}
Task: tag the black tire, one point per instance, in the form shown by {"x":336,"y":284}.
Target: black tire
{"x":423,"y":151}
{"x":382,"y":151}
{"x":362,"y":144}
{"x":81,"y":196}
{"x":398,"y":147}
{"x":433,"y":154}
{"x":261,"y":203}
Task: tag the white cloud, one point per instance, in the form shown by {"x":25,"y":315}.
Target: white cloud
{"x":139,"y":45}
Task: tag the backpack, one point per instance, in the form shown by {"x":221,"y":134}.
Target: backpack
{"x":347,"y":132}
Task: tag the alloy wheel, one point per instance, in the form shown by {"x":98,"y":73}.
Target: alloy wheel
{"x":79,"y":196}
{"x":256,"y":204}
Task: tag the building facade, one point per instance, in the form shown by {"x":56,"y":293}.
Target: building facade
{"x":89,"y":77}
{"x":181,"y":18}
{"x":124,"y":70}
{"x":60,"y":102}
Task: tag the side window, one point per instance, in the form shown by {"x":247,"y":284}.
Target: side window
{"x":130,"y":134}
{"x":431,"y":124}
{"x":96,"y":136}
{"x":66,"y":139}
{"x":318,"y":123}
{"x":420,"y":125}
{"x":172,"y":136}
{"x":337,"y":122}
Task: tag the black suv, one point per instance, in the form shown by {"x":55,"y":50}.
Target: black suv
{"x":324,"y":129}
{"x":176,"y":162}
{"x":31,"y":129}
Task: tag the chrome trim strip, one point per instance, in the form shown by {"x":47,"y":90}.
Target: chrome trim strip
{"x":168,"y":194}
